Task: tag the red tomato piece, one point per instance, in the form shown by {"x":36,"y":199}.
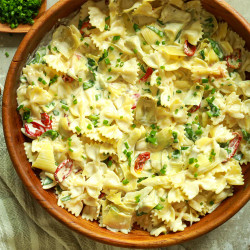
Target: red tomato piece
{"x":140,"y":161}
{"x":149,"y":72}
{"x":189,"y":49}
{"x":234,"y":60}
{"x":63,"y":170}
{"x":85,"y":25}
{"x":101,"y":195}
{"x":67,"y":78}
{"x":45,"y":119}
{"x":233,"y":145}
{"x":194,"y":108}
{"x":40,"y":129}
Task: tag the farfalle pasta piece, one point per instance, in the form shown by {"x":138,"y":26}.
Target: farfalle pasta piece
{"x":66,"y":40}
{"x":97,"y":18}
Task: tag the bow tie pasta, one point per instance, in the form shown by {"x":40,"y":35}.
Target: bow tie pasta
{"x":139,"y":113}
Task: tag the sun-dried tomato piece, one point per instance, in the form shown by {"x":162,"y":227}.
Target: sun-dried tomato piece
{"x":140,"y":161}
{"x":189,"y":49}
{"x":63,"y":170}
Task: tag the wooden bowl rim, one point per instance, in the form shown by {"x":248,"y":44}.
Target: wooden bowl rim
{"x":99,"y":234}
{"x":23,"y":28}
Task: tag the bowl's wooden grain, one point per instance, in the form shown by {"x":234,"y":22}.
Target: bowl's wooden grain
{"x":23,"y":28}
{"x":14,"y":139}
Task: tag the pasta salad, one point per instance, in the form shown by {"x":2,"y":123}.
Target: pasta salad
{"x":138,"y":112}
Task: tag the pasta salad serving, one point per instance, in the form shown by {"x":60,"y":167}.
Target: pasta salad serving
{"x":138,"y":113}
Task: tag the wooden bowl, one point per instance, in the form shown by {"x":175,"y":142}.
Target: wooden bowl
{"x":23,"y":28}
{"x":14,"y":139}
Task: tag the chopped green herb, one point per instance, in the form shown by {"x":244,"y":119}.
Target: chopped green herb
{"x":53,"y":80}
{"x":19,"y":107}
{"x":116,"y":38}
{"x":190,"y":133}
{"x":75,"y":101}
{"x":178,"y":91}
{"x":175,"y":135}
{"x":214,"y":110}
{"x":191,"y":160}
{"x":125,"y":182}
{"x":213,"y":91}
{"x":212,"y":155}
{"x":106,"y":27}
{"x":157,"y":43}
{"x":184,"y":148}
{"x":238,"y":157}
{"x":126,"y":145}
{"x":160,"y":22}
{"x":217,"y":49}
{"x":89,"y":126}
{"x":109,"y":78}
{"x":66,"y":198}
{"x":163,"y":170}
{"x":202,"y":53}
{"x":91,"y":62}
{"x":97,"y":97}
{"x":47,"y":181}
{"x":52,"y":134}
{"x":137,"y":198}
{"x":176,"y":154}
{"x":141,"y":179}
{"x":158,"y":32}
{"x":195,"y":175}
{"x":7,"y":54}
{"x":26,"y":114}
{"x":107,"y":61}
{"x":56,"y":112}
{"x":66,"y":108}
{"x":89,"y":84}
{"x":178,"y":35}
{"x":207,"y":87}
{"x":78,"y":129}
{"x":246,"y":135}
{"x":158,"y":207}
{"x":204,"y":80}
{"x":106,"y":122}
{"x":211,"y":203}
{"x":136,"y":27}
{"x":133,"y":125}
{"x":151,"y":137}
{"x":42,"y":81}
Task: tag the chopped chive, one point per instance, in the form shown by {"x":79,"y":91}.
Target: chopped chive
{"x":204,"y":80}
{"x":78,"y":129}
{"x":116,"y":38}
{"x":106,"y":122}
{"x":136,"y":27}
{"x":125,"y":182}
